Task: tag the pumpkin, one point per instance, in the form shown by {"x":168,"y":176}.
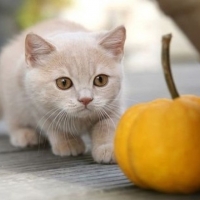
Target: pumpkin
{"x":157,"y":144}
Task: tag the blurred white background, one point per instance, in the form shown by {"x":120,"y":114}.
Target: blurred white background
{"x":145,"y":25}
{"x":144,"y":21}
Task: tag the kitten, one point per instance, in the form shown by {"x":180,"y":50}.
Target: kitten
{"x":61,"y":80}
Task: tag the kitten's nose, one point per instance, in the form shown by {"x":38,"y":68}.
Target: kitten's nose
{"x":85,"y":101}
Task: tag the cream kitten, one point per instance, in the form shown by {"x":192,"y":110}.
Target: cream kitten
{"x":61,"y":80}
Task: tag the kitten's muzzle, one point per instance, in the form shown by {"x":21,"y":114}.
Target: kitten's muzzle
{"x":85,"y":101}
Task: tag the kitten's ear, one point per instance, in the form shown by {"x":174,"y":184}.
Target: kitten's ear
{"x":36,"y":48}
{"x":114,"y":40}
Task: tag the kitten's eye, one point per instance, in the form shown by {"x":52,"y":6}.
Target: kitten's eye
{"x":64,"y":83}
{"x":101,"y":80}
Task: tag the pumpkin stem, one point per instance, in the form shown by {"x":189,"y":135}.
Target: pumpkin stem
{"x":166,"y":66}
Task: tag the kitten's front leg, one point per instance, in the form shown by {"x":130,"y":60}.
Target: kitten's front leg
{"x":66,"y":144}
{"x":103,"y":141}
{"x":24,"y":136}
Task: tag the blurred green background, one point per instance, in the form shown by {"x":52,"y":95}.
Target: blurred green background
{"x":32,"y":11}
{"x":15,"y":15}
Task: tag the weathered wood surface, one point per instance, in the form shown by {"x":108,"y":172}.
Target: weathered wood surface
{"x":36,"y":174}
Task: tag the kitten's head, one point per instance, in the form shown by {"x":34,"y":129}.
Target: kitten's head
{"x":78,"y":72}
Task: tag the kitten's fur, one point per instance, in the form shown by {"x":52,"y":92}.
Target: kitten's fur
{"x":31,"y":102}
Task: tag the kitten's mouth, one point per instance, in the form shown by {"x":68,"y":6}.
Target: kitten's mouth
{"x":85,"y":110}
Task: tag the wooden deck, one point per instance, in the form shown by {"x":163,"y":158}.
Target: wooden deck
{"x":36,"y":174}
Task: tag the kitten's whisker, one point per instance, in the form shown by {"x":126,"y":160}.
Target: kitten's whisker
{"x":76,"y":130}
{"x":74,"y":126}
{"x":114,"y":124}
{"x":115,"y":113}
{"x":69,"y":125}
{"x":58,"y":129}
{"x":100,"y":119}
{"x":39,"y":128}
{"x":105,"y":121}
{"x":52,"y":129}
{"x":65,"y":126}
{"x":50,"y":113}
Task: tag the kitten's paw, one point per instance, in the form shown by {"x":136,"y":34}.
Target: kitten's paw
{"x":69,"y":147}
{"x":104,"y":154}
{"x":25,"y":137}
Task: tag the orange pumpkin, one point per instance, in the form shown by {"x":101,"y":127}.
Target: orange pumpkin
{"x":157,"y":144}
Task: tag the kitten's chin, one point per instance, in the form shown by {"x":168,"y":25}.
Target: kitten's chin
{"x":83,"y":113}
